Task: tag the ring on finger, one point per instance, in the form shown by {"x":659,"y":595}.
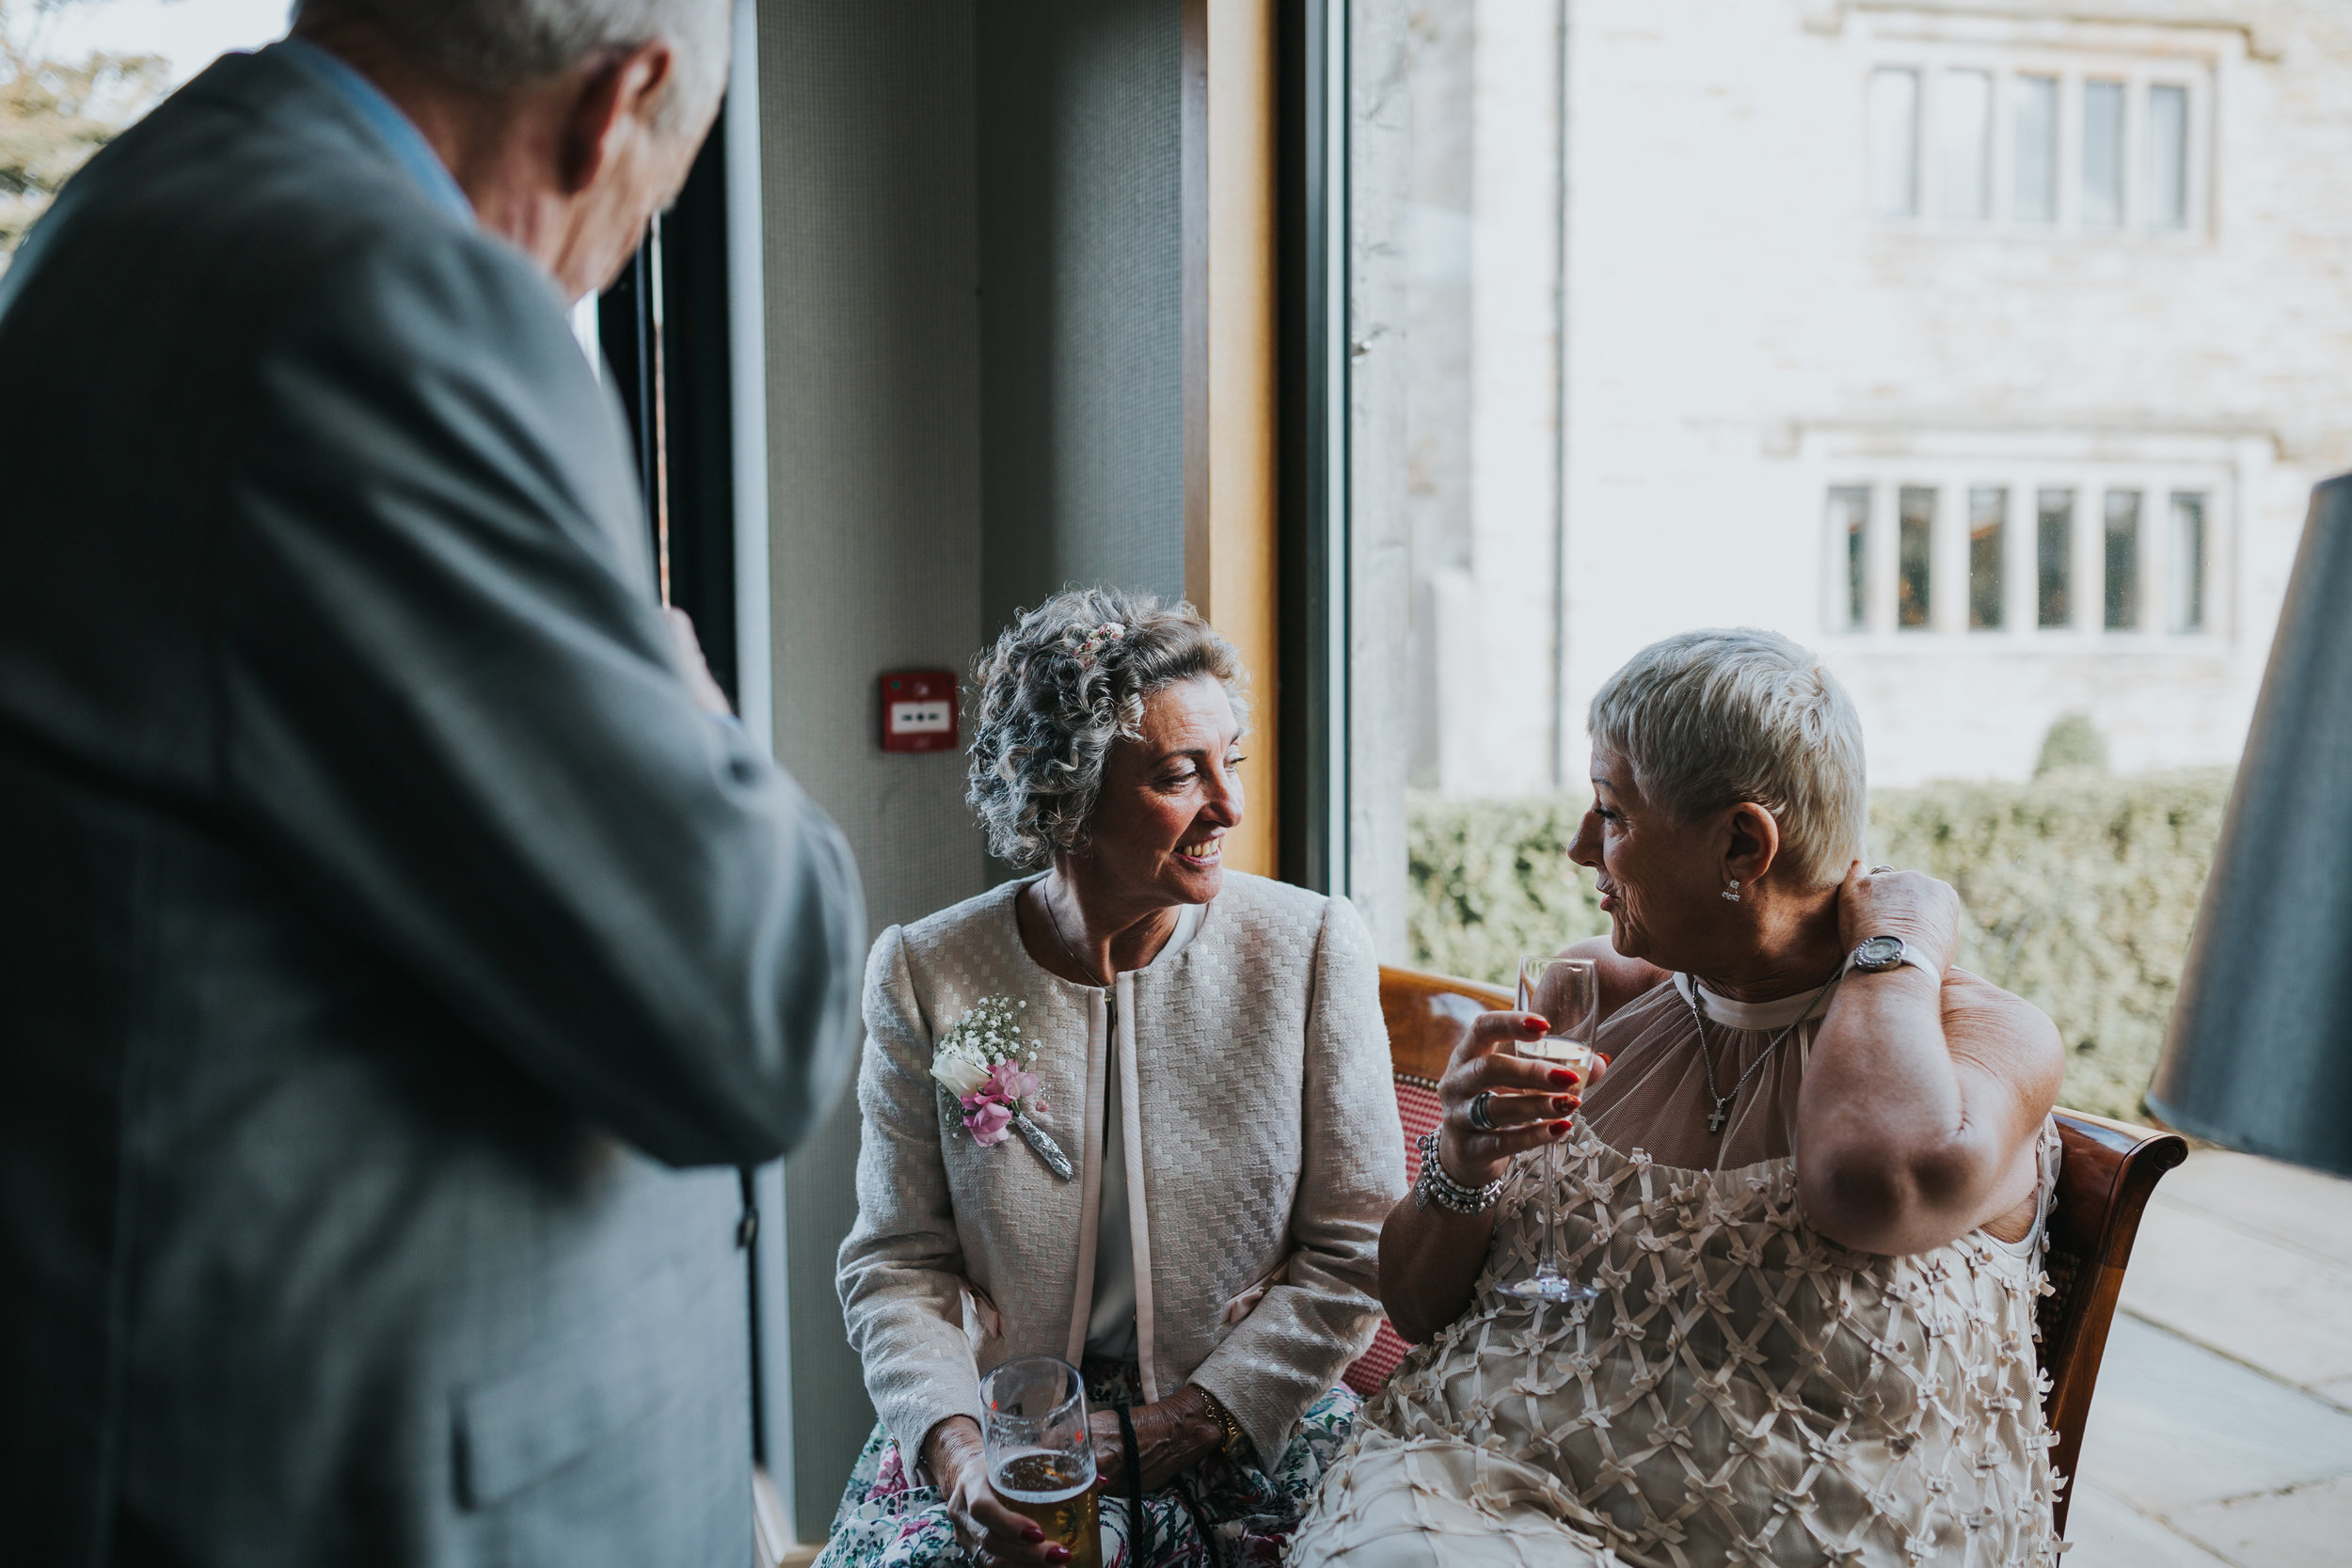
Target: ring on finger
{"x":1478,"y":1116}
{"x":1881,"y":870}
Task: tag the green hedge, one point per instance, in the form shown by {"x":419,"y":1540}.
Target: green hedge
{"x":2080,"y":890}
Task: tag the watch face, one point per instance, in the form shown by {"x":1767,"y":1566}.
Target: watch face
{"x":1879,"y":953}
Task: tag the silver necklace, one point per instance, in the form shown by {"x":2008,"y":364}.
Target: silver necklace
{"x":1717,"y":1117}
{"x":1080,"y":964}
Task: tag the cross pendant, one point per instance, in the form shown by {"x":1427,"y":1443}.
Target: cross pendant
{"x":1715,"y":1119}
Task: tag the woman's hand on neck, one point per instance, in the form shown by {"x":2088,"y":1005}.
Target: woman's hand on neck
{"x":1087,"y":930}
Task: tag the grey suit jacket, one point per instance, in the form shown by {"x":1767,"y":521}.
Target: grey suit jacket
{"x":386,"y":937}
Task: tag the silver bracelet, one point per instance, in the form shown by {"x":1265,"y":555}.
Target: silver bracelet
{"x":1433,"y":1183}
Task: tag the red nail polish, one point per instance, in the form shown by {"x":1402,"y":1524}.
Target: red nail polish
{"x":1561,"y":1075}
{"x":1559,"y":1129}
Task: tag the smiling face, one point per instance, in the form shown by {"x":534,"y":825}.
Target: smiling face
{"x":1662,"y":881}
{"x":1169,"y":797}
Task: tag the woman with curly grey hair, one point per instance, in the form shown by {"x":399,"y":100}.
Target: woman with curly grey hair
{"x":1131,"y":1111}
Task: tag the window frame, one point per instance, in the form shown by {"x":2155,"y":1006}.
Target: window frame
{"x":1953,"y":478}
{"x":2139,"y":72}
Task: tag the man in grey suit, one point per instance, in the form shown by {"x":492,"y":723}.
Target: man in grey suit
{"x":394,"y":958}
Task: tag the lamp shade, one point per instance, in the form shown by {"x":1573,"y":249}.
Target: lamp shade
{"x":2260,"y":1053}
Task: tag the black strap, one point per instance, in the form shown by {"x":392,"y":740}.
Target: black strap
{"x":1134,"y":1478}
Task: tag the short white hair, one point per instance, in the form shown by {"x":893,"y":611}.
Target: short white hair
{"x":499,"y":45}
{"x":1711,"y":718}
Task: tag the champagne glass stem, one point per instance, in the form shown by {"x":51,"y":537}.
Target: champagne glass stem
{"x":1550,"y":1263}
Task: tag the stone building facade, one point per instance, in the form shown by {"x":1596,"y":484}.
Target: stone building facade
{"x":1989,"y":348}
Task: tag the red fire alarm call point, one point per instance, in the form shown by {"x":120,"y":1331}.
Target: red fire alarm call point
{"x":918,"y":711}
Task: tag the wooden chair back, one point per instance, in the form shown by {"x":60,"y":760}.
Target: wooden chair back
{"x":1427,"y":1016}
{"x":2108,"y":1171}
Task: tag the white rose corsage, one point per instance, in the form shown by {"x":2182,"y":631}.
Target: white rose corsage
{"x":981,"y":1064}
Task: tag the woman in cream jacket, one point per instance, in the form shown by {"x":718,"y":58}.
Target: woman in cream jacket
{"x":1181,"y":1190}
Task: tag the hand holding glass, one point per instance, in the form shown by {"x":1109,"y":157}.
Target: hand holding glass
{"x":1565,"y":994}
{"x":1041,"y":1459}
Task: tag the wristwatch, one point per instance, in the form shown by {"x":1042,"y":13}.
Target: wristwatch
{"x":1878,"y":955}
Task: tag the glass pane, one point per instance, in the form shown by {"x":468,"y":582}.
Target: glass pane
{"x":2188,"y":576}
{"x":2037,"y":149}
{"x":1964,"y":139}
{"x":2167,"y":157}
{"x":2123,"y":560}
{"x":1916,"y":517}
{"x":1850,"y":544}
{"x":2054,"y":557}
{"x":1988,"y":508}
{"x":2103,"y":154}
{"x":1895,"y":143}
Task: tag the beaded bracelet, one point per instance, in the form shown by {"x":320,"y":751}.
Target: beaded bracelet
{"x":1435,"y":1183}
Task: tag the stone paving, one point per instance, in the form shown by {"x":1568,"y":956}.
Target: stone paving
{"x":2222,"y":1433}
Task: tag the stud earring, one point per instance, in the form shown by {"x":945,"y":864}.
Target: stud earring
{"x":1731,"y":894}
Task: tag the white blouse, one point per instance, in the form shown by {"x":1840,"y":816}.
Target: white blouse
{"x":1111,"y":1323}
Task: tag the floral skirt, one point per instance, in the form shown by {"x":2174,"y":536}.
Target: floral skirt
{"x":1219,"y":1513}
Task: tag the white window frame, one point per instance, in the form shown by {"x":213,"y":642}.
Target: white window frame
{"x":2072,"y":61}
{"x":1953,"y":466}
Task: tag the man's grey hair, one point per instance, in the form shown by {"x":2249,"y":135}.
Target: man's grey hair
{"x":1711,"y":718}
{"x":499,"y":45}
{"x":1063,"y":684}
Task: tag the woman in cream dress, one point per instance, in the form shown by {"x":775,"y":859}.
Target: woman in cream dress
{"x":1810,"y":1185}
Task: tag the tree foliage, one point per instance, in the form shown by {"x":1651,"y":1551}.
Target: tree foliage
{"x":55,"y":114}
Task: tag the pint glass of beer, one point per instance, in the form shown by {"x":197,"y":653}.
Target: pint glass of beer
{"x":1041,"y":1460}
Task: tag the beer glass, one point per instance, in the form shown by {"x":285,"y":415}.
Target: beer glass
{"x":1041,"y":1460}
{"x":1565,"y":994}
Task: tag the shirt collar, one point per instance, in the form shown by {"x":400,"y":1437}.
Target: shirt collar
{"x":400,"y":132}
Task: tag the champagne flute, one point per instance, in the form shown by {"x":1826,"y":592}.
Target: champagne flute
{"x":1041,"y":1459}
{"x":1565,"y":994}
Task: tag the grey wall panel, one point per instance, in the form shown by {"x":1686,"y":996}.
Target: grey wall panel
{"x":873,"y":346}
{"x":1081,"y":232}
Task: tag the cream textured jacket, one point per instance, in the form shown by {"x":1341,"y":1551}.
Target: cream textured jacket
{"x":1263,"y":1155}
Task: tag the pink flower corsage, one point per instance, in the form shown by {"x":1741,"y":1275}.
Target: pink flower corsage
{"x":981,"y":1066}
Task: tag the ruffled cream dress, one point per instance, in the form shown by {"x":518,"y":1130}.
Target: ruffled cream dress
{"x":1742,"y":1390}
